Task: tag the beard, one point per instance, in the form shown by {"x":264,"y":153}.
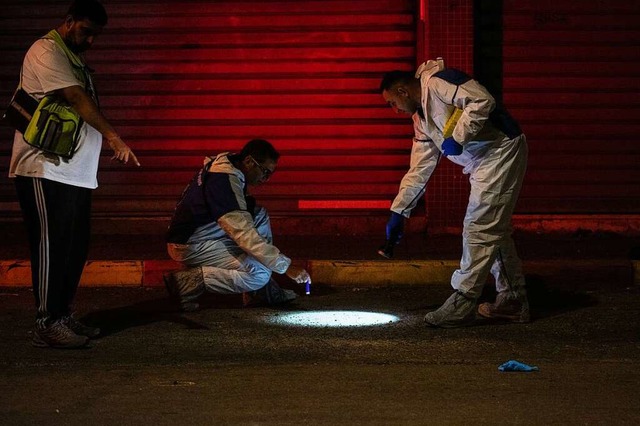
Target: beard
{"x":73,"y":46}
{"x":78,"y":48}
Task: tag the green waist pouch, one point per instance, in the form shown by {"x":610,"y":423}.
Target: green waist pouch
{"x":54,"y":128}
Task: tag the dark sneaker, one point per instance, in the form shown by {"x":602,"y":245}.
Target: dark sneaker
{"x":508,"y":306}
{"x":185,"y":287}
{"x":269,"y":295}
{"x":81,"y":329}
{"x":170,"y":284}
{"x":189,"y":306}
{"x":59,"y":336}
{"x":457,"y":311}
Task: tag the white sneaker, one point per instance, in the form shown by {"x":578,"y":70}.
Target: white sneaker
{"x":457,"y":311}
{"x":508,"y":306}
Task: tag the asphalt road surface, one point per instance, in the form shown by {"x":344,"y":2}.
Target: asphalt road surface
{"x":227,"y":365}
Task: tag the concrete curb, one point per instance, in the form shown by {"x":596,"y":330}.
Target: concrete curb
{"x":381,"y":273}
{"x":97,"y":273}
{"x":333,"y":273}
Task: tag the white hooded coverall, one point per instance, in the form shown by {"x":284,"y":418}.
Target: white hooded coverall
{"x":213,"y":228}
{"x":494,"y":156}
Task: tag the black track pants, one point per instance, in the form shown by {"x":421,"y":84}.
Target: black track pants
{"x":57,"y":218}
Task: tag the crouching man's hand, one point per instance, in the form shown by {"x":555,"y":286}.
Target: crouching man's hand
{"x":298,"y":274}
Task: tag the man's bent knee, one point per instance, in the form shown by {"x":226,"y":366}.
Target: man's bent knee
{"x":254,"y":275}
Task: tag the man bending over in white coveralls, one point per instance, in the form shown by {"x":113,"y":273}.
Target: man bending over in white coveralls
{"x":490,"y":146}
{"x":223,"y":238}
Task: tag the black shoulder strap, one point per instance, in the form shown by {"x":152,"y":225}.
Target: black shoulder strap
{"x":204,"y":175}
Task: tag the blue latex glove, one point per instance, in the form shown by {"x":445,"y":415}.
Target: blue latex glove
{"x":451,"y":147}
{"x":514,"y":365}
{"x":395,"y":228}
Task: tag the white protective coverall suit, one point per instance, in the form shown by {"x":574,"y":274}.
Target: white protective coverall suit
{"x":494,"y":156}
{"x":213,"y":228}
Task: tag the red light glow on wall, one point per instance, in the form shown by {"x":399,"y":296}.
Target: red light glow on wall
{"x":343,"y":204}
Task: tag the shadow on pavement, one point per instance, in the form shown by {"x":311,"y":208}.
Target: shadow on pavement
{"x":549,"y":302}
{"x":114,"y":320}
{"x":544,"y":300}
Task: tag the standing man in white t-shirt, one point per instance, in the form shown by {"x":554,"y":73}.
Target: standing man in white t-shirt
{"x":55,"y":192}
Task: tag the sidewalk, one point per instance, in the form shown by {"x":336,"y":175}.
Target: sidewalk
{"x":140,"y":260}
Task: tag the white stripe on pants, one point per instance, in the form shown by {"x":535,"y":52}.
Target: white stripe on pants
{"x":43,"y":252}
{"x":57,"y":219}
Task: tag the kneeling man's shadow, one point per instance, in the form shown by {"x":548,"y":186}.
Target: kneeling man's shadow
{"x":114,"y":320}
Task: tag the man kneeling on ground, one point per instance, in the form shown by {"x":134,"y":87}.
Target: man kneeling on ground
{"x":223,"y":238}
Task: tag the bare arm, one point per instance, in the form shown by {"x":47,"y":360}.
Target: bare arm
{"x":89,"y":111}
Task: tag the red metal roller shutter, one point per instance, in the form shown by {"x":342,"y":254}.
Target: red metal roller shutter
{"x":572,"y":77}
{"x":180,"y":80}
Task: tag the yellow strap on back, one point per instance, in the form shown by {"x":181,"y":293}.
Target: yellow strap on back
{"x":451,"y":123}
{"x":80,"y":69}
{"x":78,"y":65}
{"x":73,"y":58}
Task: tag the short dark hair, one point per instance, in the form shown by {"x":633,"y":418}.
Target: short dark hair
{"x":392,"y":78}
{"x":92,"y":10}
{"x":260,"y":149}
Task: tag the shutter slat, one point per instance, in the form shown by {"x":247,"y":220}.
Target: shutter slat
{"x":181,"y":80}
{"x":571,"y":77}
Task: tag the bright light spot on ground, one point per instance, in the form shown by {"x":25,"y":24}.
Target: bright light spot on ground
{"x":333,"y":319}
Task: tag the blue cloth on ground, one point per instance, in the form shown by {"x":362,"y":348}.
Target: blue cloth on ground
{"x":514,"y":365}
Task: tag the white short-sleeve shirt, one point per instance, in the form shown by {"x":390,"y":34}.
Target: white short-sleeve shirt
{"x":44,"y":70}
